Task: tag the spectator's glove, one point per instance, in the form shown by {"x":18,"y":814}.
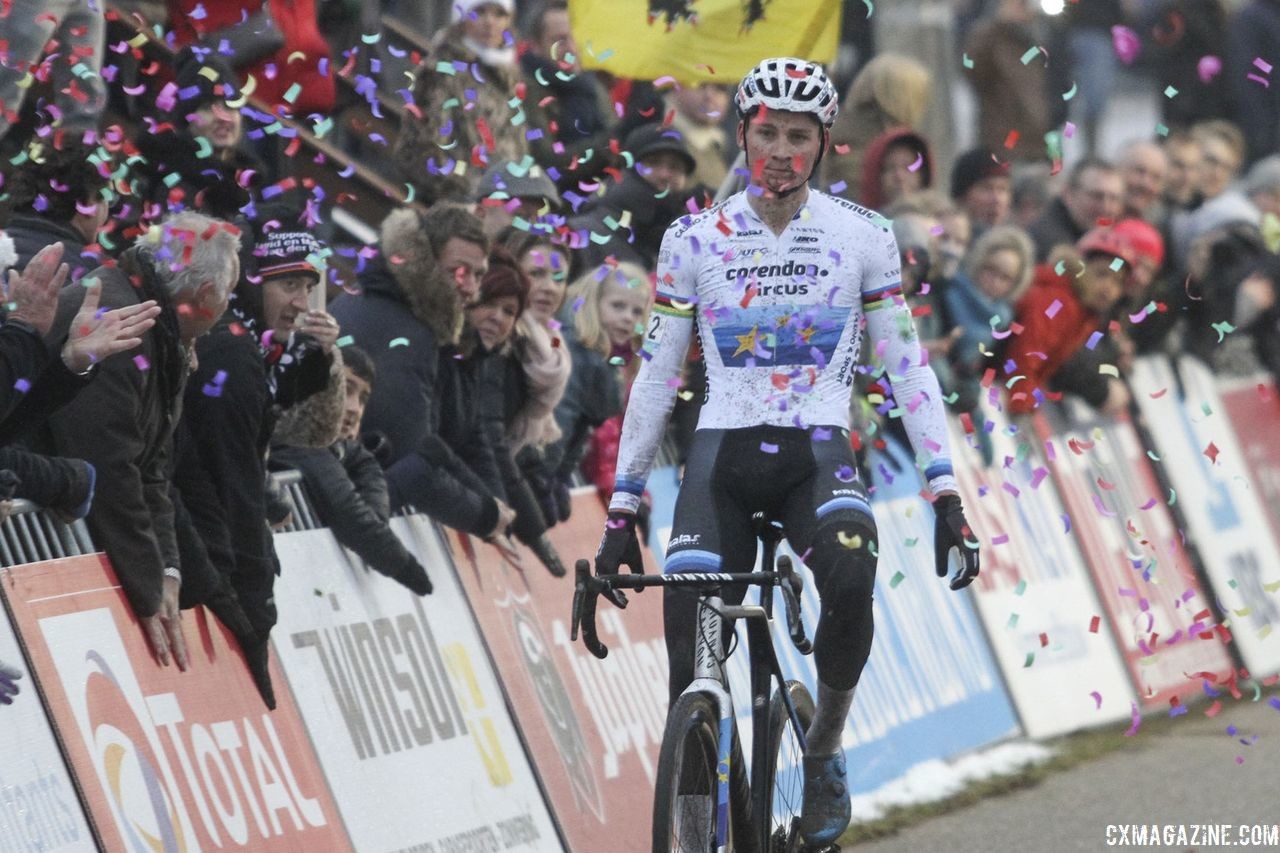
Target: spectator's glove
{"x":9,"y":676}
{"x":952,"y":534}
{"x":560,"y":494}
{"x":619,"y":546}
{"x":413,"y":576}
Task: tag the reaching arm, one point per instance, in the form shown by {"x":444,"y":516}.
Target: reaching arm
{"x":653,"y":394}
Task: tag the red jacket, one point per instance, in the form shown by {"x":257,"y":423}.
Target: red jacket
{"x":297,"y":20}
{"x":1045,"y":342}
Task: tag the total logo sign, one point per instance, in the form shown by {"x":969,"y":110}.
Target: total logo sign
{"x":183,"y":761}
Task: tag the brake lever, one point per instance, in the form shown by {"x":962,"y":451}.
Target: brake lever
{"x":586,"y":590}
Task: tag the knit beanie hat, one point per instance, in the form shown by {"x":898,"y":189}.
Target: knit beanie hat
{"x":972,"y":167}
{"x":463,"y":8}
{"x":291,"y":253}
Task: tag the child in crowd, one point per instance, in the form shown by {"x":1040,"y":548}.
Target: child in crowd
{"x":602,"y":322}
{"x":347,"y":487}
{"x":1070,"y":299}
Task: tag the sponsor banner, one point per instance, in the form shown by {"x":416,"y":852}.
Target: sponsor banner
{"x":931,"y":688}
{"x":593,"y":727}
{"x":1034,"y":594}
{"x":1253,"y":409}
{"x":1157,"y":608}
{"x":399,"y":698}
{"x":39,"y":809}
{"x":167,"y":760}
{"x":1207,"y":469}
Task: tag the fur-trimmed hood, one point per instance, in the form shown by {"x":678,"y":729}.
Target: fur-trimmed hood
{"x":410,"y":264}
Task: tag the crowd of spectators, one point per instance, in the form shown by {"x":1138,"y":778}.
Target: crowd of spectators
{"x":166,"y":342}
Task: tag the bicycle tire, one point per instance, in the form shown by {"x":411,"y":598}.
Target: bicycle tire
{"x":685,"y":811}
{"x":786,"y":769}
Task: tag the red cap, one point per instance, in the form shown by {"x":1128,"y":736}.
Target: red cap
{"x":1144,"y":238}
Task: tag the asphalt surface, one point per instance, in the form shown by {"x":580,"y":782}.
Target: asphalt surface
{"x":1187,"y":774}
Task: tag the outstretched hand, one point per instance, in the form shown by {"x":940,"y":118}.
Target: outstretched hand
{"x":164,"y":629}
{"x":95,"y":335}
{"x":32,"y":295}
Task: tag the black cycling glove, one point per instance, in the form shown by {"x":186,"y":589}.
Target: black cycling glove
{"x":618,"y":547}
{"x":952,"y":533}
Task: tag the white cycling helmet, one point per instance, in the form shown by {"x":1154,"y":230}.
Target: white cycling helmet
{"x":789,"y":84}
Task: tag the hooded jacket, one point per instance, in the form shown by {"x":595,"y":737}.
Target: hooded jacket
{"x":638,"y":241}
{"x":872,"y":189}
{"x":1047,"y":343}
{"x":406,"y":313}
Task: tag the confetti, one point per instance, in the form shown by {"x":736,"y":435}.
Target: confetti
{"x":1097,"y":698}
{"x":897,"y":579}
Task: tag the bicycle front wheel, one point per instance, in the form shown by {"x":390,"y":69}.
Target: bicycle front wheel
{"x":686,"y":810}
{"x":786,"y":774}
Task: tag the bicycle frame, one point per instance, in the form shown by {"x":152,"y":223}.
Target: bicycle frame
{"x":709,"y":672}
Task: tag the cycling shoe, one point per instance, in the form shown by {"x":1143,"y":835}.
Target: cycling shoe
{"x":827,"y":808}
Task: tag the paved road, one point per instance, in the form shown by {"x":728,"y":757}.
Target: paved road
{"x":1186,"y":775}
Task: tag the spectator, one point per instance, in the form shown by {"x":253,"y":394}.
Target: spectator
{"x":897,"y":163}
{"x":508,"y":192}
{"x":458,"y":116}
{"x":572,"y":103}
{"x":980,"y":301}
{"x":627,"y":222}
{"x":56,"y":196}
{"x":505,"y":393}
{"x":1257,"y":311}
{"x":229,"y":414}
{"x":37,"y":384}
{"x":1177,"y":38}
{"x":545,"y":363}
{"x":1030,"y":194}
{"x":1144,"y":168}
{"x":602,"y":323}
{"x":1148,"y":258}
{"x":917,"y":248}
{"x":980,"y":185}
{"x":1183,"y":153}
{"x":1071,"y":298}
{"x":892,"y":90}
{"x":1222,"y":153}
{"x":953,"y":242}
{"x":1013,"y":107}
{"x":409,"y":308}
{"x":1093,"y":197}
{"x":122,"y":423}
{"x":697,"y":114}
{"x":79,"y":91}
{"x":1094,"y":64}
{"x":347,"y":487}
{"x":197,"y":162}
{"x":1244,"y":202}
{"x":276,"y":43}
{"x":1253,"y":33}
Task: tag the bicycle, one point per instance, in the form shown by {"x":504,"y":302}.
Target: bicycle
{"x":703,"y":800}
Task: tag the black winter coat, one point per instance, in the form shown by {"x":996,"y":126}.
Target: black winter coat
{"x":123,"y":423}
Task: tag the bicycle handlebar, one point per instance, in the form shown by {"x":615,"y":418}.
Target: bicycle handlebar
{"x":588,"y":587}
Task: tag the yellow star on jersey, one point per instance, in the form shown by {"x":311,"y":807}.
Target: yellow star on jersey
{"x":806,"y":333}
{"x":747,"y":343}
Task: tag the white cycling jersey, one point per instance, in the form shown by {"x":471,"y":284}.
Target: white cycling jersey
{"x":779,"y":318}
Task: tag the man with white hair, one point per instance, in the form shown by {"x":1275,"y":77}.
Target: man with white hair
{"x":122,"y":423}
{"x":1144,"y":167}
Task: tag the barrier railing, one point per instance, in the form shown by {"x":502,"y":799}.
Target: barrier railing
{"x":31,"y":534}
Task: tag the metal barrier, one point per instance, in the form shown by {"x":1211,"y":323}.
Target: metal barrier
{"x":304,"y":516}
{"x":30,"y":535}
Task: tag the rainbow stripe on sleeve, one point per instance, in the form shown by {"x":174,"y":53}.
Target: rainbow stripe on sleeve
{"x":672,"y":306}
{"x":890,"y":294}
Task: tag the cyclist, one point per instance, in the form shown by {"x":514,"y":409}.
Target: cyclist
{"x":777,"y":280}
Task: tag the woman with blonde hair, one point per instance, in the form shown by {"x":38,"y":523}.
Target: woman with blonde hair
{"x":603,"y":323}
{"x":891,"y":91}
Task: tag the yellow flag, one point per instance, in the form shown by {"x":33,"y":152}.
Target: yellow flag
{"x":617,"y":36}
